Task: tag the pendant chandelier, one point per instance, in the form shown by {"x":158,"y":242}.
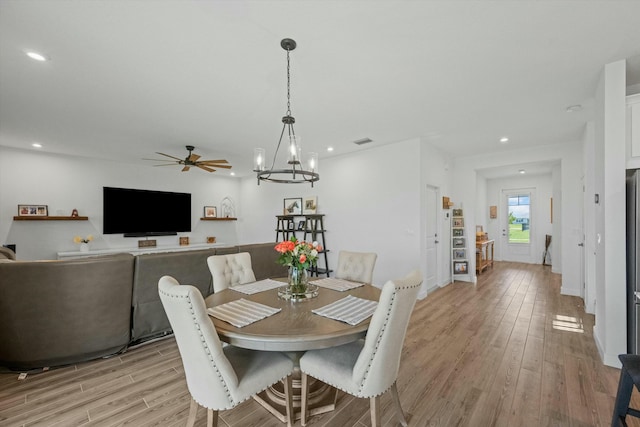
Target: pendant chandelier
{"x":294,"y":172}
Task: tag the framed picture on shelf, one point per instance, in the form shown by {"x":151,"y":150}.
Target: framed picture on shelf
{"x":458,"y":242}
{"x":460,"y":267}
{"x":459,"y":254}
{"x":210,"y":212}
{"x":458,"y":222}
{"x":301,"y":224}
{"x":290,"y":225}
{"x":456,"y":212}
{"x":293,"y":206}
{"x":310,"y":205}
{"x":33,"y":210}
{"x":457,"y":232}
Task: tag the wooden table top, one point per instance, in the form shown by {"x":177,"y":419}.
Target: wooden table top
{"x":295,"y":328}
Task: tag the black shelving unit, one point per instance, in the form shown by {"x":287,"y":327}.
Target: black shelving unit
{"x":308,"y":226}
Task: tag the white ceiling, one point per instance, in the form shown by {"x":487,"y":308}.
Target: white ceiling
{"x":128,"y":78}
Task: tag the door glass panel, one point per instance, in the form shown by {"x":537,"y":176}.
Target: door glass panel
{"x":519,"y":218}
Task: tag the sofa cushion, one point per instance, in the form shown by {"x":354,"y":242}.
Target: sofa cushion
{"x":264,"y":260}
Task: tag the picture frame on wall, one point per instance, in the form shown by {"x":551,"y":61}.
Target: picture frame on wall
{"x":293,"y":206}
{"x":456,"y":212}
{"x":458,"y":222}
{"x":210,"y":212}
{"x":310,"y":205}
{"x":33,"y":210}
{"x":458,"y":232}
{"x":458,"y":242}
{"x":459,"y":254}
{"x":460,"y":267}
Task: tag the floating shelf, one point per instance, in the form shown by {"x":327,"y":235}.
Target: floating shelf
{"x":219,"y":219}
{"x":50,"y":218}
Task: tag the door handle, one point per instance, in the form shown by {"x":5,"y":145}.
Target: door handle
{"x":436,"y":241}
{"x":580,"y":244}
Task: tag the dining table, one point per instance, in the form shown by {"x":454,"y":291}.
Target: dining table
{"x":294,"y":330}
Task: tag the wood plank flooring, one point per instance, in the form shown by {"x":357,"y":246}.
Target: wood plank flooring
{"x":510,"y":351}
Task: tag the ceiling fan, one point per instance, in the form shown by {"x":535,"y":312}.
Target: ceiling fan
{"x":192,"y":160}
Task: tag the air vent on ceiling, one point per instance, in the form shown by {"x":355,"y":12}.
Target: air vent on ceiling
{"x":362,"y":141}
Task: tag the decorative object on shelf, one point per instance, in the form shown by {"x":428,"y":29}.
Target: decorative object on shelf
{"x":294,"y":172}
{"x":227,"y":208}
{"x":459,"y":254}
{"x":210,"y":212}
{"x":458,"y":232}
{"x":33,"y":210}
{"x":211,"y":239}
{"x":299,"y":256}
{"x":192,"y":160}
{"x":184,"y":241}
{"x":301,"y":224}
{"x":493,"y":212}
{"x":293,"y":206}
{"x":310,"y":205}
{"x":84,"y":242}
{"x":458,"y":242}
{"x":460,"y":267}
{"x":456,"y":212}
{"x":458,"y":222}
{"x":74,"y":213}
{"x":147,"y":243}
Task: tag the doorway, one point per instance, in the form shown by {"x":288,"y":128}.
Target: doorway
{"x":518,"y":225}
{"x":432,"y":213}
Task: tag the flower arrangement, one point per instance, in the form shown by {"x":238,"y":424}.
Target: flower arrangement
{"x":78,"y":239}
{"x":298,"y":254}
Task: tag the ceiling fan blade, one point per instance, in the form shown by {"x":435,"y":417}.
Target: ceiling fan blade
{"x":215,"y":165}
{"x":213,"y":161}
{"x":186,"y":169}
{"x":173,"y":157}
{"x":193,"y":157}
{"x":205,"y":168}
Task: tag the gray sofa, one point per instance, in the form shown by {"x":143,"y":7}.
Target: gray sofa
{"x":61,"y":312}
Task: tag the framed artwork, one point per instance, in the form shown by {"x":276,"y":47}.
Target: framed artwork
{"x":457,"y":232}
{"x":458,"y":222}
{"x":459,"y":254}
{"x":493,"y":212}
{"x":33,"y":210}
{"x":290,"y":225}
{"x":301,"y":224}
{"x":293,"y":206}
{"x":460,"y":267}
{"x":310,"y":205}
{"x":458,"y":242}
{"x":184,"y":241}
{"x":210,"y":212}
{"x":457,"y":212}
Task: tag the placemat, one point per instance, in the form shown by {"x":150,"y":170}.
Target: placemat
{"x":350,"y":309}
{"x":337,"y":284}
{"x":241,"y":312}
{"x":259,"y":286}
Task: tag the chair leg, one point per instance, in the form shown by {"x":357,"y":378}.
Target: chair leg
{"x":304,"y":399}
{"x":288,"y":397}
{"x":193,"y":411}
{"x":375,"y":411}
{"x":396,"y":400}
{"x":212,"y":418}
{"x":621,"y":406}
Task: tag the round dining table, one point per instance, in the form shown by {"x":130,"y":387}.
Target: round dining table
{"x":293,"y":330}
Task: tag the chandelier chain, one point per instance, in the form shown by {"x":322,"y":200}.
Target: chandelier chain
{"x":288,"y":86}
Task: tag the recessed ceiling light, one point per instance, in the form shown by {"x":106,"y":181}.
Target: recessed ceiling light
{"x":232,"y":174}
{"x":574,"y":108}
{"x":36,"y":56}
{"x":504,"y":140}
{"x":522,"y":171}
{"x":329,"y":149}
{"x":36,"y":145}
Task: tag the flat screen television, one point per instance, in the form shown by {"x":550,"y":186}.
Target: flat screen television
{"x":136,"y":213}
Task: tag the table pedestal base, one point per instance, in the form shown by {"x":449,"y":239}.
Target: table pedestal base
{"x":322,"y":398}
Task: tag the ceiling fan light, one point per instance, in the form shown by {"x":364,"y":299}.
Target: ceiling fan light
{"x":258,"y":159}
{"x":312,"y":161}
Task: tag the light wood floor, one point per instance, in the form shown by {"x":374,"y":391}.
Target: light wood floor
{"x":510,"y":351}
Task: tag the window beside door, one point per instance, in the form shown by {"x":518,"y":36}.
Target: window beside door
{"x":519,"y":218}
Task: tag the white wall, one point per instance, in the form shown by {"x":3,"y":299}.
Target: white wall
{"x":65,"y":183}
{"x":590,"y":238}
{"x":540,"y":215}
{"x":482,"y":206}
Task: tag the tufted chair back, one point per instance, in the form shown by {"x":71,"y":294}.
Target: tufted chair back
{"x":230,"y":270}
{"x":356,"y":266}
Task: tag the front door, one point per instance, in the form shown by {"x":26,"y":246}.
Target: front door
{"x":517,"y":226}
{"x":431,"y":276}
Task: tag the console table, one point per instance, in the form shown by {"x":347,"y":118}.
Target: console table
{"x":484,"y":255}
{"x":139,"y":251}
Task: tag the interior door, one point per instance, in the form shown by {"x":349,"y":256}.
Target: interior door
{"x":517,"y":225}
{"x":431,"y":275}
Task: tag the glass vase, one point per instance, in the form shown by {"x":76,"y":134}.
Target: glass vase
{"x":298,"y":280}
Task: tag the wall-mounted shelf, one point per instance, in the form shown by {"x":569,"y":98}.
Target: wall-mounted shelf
{"x":219,"y":219}
{"x":50,"y":218}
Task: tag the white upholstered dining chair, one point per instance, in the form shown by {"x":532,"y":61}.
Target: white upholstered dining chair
{"x":230,"y":270}
{"x":218,"y":378}
{"x":356,"y":266}
{"x":368,"y":368}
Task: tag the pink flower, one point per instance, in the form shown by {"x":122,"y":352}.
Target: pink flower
{"x":303,"y":258}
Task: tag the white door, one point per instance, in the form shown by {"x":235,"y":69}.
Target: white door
{"x":517,"y":225}
{"x":431,"y":276}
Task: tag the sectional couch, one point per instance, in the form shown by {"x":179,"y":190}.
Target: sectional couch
{"x":62,"y":312}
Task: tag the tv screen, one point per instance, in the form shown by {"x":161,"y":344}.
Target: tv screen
{"x":145,"y":213}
